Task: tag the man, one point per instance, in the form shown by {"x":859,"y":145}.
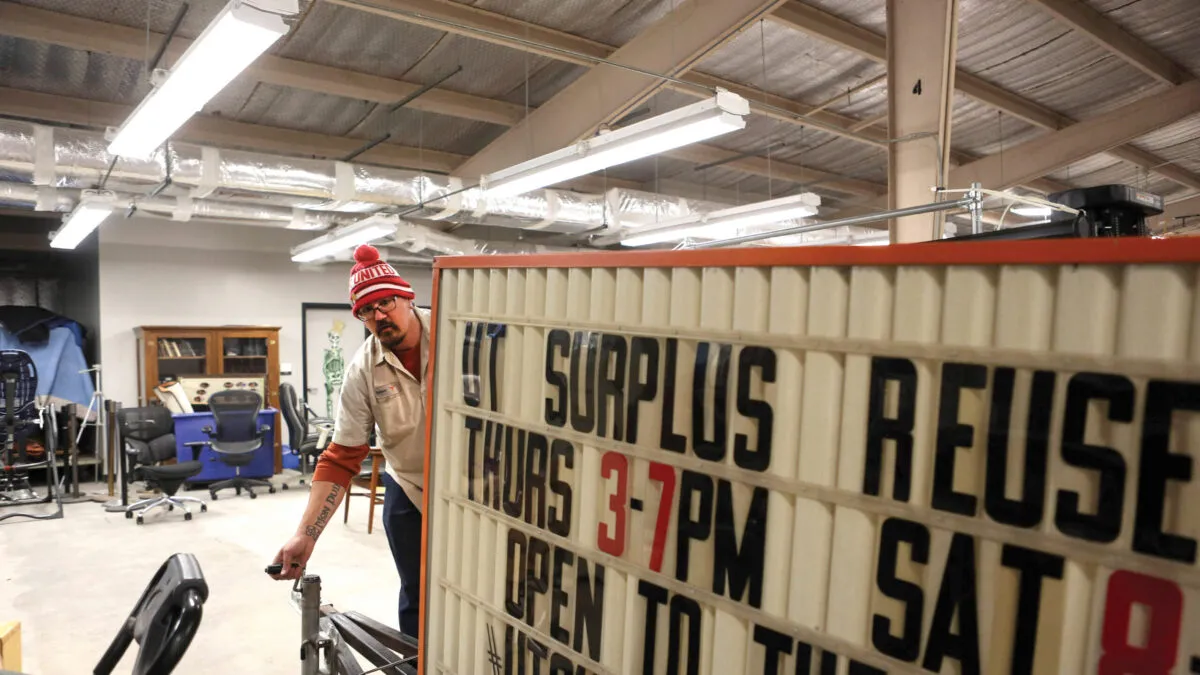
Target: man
{"x":385,"y":387}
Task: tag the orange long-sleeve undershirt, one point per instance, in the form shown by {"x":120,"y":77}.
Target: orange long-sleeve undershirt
{"x":340,"y":463}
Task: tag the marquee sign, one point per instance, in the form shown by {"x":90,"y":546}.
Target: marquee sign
{"x":946,"y":458}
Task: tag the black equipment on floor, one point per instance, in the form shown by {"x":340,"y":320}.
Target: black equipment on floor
{"x":20,"y":417}
{"x":163,"y":621}
{"x":1105,"y":211}
{"x":149,"y":435}
{"x":236,"y":438}
{"x":297,"y":416}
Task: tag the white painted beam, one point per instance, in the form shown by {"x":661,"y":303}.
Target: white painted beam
{"x":1107,"y":34}
{"x":921,"y":47}
{"x":670,"y":46}
{"x":1044,"y":155}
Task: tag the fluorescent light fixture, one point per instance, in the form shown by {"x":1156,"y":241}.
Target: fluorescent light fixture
{"x":727,"y":222}
{"x":721,"y":114}
{"x":238,"y":35}
{"x":92,"y":209}
{"x":1038,"y":211}
{"x":350,"y":236}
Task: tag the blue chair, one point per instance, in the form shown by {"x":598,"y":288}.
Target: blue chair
{"x":236,"y":438}
{"x":20,"y":415}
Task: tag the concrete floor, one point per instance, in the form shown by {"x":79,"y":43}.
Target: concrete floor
{"x":71,"y":582}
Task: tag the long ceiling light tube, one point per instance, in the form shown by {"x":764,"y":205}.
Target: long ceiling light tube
{"x":853,"y":220}
{"x":723,"y":113}
{"x":728,"y":221}
{"x":93,"y":208}
{"x":362,"y":232}
{"x":239,"y":34}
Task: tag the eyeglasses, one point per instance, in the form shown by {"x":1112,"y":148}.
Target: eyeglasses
{"x":385,"y":305}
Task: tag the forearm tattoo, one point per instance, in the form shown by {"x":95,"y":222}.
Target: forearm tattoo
{"x":315,"y":529}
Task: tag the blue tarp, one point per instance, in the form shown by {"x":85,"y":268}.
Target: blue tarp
{"x":58,"y":362}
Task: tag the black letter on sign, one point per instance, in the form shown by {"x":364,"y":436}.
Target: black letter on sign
{"x":773,"y":644}
{"x":803,"y":658}
{"x":584,"y":420}
{"x":712,"y":450}
{"x":495,"y":333}
{"x":669,"y":440}
{"x":538,"y":575}
{"x":558,"y":597}
{"x":692,"y":484}
{"x":514,"y":472}
{"x":493,"y":434}
{"x":744,"y":566}
{"x":560,"y":339}
{"x":560,"y":520}
{"x":957,"y":593}
{"x":655,"y":595}
{"x":474,"y":425}
{"x":681,"y":606}
{"x":1026,"y":511}
{"x":906,"y":647}
{"x":472,"y":342}
{"x":1105,"y":525}
{"x":758,"y":459}
{"x":1033,"y":566}
{"x":560,"y":665}
{"x":514,"y":585}
{"x":612,"y":348}
{"x":535,"y":480}
{"x":952,"y":435}
{"x":589,"y":609}
{"x":898,"y":429}
{"x":514,"y":666}
{"x":1158,"y":465}
{"x":639,"y":389}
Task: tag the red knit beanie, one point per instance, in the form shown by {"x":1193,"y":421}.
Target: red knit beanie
{"x":373,"y":279}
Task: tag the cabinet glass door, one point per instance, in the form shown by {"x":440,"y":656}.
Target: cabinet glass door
{"x":182,"y":356}
{"x":244,"y":355}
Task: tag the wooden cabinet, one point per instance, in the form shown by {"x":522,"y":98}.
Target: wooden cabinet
{"x":208,"y":359}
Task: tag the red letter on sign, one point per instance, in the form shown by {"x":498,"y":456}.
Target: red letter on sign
{"x":1165,"y":602}
{"x":665,"y":474}
{"x":613,"y":543}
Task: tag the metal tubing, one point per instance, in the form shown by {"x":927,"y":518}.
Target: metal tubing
{"x":310,"y":624}
{"x":965,"y":202}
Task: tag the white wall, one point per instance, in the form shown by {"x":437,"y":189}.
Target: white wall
{"x":156,"y":272}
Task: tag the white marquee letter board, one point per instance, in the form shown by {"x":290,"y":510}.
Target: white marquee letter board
{"x":949,"y":458}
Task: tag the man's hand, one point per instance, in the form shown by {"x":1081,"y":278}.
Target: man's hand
{"x":294,"y":556}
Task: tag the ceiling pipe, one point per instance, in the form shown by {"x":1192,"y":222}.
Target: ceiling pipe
{"x":62,"y":157}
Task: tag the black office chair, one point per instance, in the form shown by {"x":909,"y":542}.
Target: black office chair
{"x":164,"y":620}
{"x":20,"y":416}
{"x":236,"y":438}
{"x":299,"y":418}
{"x":149,"y":435}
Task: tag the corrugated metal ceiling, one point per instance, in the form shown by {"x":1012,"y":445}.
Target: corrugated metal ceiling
{"x":1012,"y":43}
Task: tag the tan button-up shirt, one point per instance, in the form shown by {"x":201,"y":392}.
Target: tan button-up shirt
{"x":379,"y":393}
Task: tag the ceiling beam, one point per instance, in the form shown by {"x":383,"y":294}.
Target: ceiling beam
{"x":671,"y":46}
{"x":478,"y":24}
{"x":75,"y":32}
{"x":1108,"y":35}
{"x":871,"y":45}
{"x":1044,"y":155}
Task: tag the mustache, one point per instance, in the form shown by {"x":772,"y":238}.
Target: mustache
{"x":384,"y":324}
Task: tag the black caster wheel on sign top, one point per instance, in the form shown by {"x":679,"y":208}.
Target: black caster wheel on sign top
{"x":187,"y":516}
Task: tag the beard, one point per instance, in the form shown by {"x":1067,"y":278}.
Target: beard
{"x":389,"y":334}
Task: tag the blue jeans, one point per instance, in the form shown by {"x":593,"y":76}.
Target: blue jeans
{"x":402,"y":522}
